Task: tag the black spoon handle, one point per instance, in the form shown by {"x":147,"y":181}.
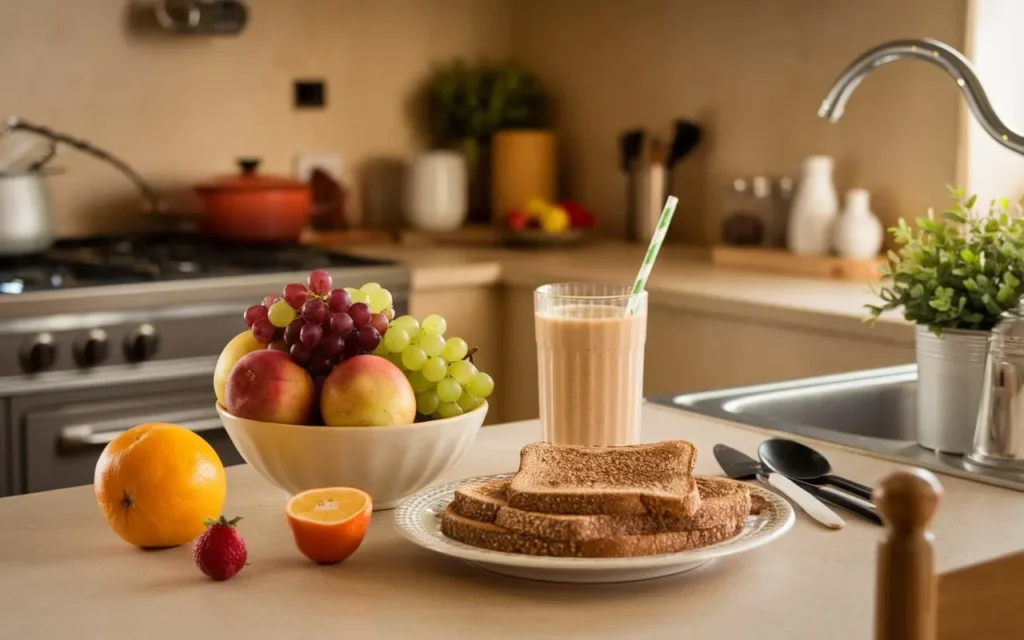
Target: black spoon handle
{"x":855,"y":488}
{"x":842,"y":500}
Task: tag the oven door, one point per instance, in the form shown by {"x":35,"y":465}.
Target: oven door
{"x":58,"y":443}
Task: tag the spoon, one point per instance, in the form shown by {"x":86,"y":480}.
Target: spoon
{"x":799,"y":462}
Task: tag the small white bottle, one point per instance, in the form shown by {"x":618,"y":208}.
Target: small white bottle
{"x":814,"y":211}
{"x":858,"y":232}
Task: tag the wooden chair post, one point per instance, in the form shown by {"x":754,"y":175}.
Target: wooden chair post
{"x":906,"y":592}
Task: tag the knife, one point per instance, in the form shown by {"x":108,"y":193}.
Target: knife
{"x":739,"y":466}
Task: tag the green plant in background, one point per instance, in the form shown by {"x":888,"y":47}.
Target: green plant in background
{"x":462,"y":102}
{"x":960,"y":270}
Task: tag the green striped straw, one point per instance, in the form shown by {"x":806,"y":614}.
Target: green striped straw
{"x":652,"y":252}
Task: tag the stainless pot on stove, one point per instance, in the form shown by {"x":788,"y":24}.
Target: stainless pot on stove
{"x":26,"y":213}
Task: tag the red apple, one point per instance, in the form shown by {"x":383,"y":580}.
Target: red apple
{"x":579,"y":216}
{"x":267,"y":386}
{"x":517,"y":220}
{"x":367,"y":391}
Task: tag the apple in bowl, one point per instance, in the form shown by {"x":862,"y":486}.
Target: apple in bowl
{"x":367,"y":391}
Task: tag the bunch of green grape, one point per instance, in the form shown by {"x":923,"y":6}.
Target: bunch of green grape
{"x":446,"y":382}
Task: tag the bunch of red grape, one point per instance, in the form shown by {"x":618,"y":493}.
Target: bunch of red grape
{"x":320,"y":326}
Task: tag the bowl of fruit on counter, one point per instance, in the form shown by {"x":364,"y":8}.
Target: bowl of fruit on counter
{"x":328,"y":388}
{"x":540,"y":223}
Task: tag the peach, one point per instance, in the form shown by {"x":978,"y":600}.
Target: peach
{"x":239,"y":346}
{"x":267,"y":386}
{"x":367,"y":391}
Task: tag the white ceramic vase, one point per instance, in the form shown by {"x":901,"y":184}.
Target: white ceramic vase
{"x":858,"y":232}
{"x":814,"y":209}
{"x":437,"y":191}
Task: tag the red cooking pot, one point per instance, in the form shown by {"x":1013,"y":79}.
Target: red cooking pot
{"x":252,"y":207}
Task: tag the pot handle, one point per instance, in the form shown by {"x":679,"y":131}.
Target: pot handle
{"x":248,"y":165}
{"x":16,"y":123}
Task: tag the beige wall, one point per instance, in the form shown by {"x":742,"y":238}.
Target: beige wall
{"x":753,"y":72}
{"x":183,"y":108}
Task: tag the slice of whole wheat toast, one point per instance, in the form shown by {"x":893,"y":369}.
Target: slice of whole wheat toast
{"x":487,"y":535}
{"x":654,"y":479}
{"x":724,"y":502}
{"x":481,"y":501}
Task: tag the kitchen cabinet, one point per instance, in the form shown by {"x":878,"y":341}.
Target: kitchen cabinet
{"x":689,"y":351}
{"x":473,"y":313}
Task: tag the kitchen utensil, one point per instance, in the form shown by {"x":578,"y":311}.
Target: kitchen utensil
{"x":853,"y":504}
{"x":999,"y":431}
{"x":252,"y":207}
{"x":26,"y":218}
{"x":296,"y":458}
{"x":797,"y":461}
{"x":739,"y":466}
{"x":653,"y":189}
{"x":417,"y":520}
{"x":436,"y":194}
{"x":685,"y":138}
{"x":631,"y":147}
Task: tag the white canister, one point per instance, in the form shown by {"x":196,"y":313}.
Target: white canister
{"x":858,"y":232}
{"x":814,"y":211}
{"x":436,"y":191}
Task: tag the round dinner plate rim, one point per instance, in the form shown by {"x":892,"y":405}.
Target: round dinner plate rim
{"x":411,"y":510}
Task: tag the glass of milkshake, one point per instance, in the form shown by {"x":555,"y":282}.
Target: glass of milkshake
{"x":590,"y":356}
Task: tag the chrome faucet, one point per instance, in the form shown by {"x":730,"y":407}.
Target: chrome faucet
{"x":937,"y":53}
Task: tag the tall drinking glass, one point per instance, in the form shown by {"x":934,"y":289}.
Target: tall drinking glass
{"x":590,"y":356}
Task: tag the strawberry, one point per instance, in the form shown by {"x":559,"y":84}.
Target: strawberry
{"x":219,"y":551}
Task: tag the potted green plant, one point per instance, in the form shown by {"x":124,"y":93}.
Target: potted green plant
{"x":462,"y":105}
{"x":953,"y":276}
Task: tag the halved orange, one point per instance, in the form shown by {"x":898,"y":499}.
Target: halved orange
{"x":328,"y":524}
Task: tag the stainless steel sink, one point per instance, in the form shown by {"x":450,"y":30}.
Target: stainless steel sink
{"x":871,"y":411}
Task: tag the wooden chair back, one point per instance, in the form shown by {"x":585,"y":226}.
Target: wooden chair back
{"x":912,"y":602}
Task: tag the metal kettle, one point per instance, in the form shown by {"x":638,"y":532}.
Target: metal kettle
{"x":26,"y":213}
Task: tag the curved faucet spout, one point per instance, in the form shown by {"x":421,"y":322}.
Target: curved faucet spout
{"x":937,"y":53}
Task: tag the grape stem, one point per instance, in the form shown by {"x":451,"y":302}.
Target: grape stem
{"x":469,"y":354}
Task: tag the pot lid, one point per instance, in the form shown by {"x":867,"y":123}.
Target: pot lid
{"x":247,"y":179}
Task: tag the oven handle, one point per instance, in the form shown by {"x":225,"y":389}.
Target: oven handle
{"x":87,"y":435}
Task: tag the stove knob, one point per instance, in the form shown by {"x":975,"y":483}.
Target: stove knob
{"x":91,"y":349}
{"x":39,"y":353}
{"x":141,"y":344}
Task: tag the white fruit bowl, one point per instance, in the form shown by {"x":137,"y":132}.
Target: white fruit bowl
{"x":389,"y":463}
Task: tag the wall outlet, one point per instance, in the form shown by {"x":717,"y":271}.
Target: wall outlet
{"x":310,"y":94}
{"x":331,"y":163}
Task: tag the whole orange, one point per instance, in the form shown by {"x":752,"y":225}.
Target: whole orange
{"x":156,"y":483}
{"x":242,"y":344}
{"x":328,"y":525}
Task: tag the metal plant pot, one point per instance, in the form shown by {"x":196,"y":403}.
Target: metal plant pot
{"x":950,"y":371}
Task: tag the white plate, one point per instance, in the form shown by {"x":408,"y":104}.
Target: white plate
{"x":417,"y":519}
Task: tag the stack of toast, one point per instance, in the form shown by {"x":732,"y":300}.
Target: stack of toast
{"x":600,"y":502}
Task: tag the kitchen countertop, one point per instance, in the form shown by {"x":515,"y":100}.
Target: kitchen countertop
{"x":680,"y":279}
{"x":64,"y":574}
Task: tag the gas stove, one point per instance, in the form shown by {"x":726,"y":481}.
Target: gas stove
{"x":101,"y":334}
{"x":153,"y":258}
